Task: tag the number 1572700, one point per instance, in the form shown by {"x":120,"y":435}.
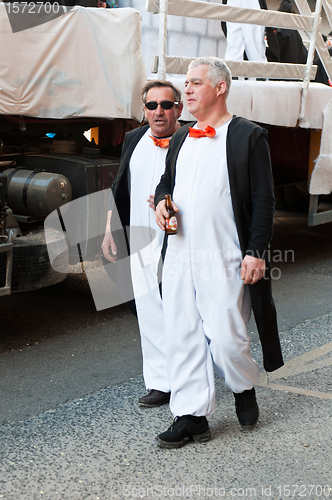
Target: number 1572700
{"x":33,"y":7}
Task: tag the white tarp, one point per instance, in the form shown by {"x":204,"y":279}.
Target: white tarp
{"x":273,"y":102}
{"x":321,"y":178}
{"x":86,"y":63}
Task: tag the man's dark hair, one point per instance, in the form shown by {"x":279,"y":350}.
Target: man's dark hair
{"x":286,"y":6}
{"x":158,"y":84}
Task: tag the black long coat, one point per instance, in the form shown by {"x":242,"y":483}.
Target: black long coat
{"x":121,"y":192}
{"x":251,"y":184}
{"x":120,"y":273}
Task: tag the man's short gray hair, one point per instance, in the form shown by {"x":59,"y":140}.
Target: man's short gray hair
{"x":218,"y":70}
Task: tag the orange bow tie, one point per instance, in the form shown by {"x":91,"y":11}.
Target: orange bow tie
{"x":161,"y":143}
{"x":197,"y":132}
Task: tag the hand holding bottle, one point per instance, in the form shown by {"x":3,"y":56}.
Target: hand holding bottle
{"x":165,"y":210}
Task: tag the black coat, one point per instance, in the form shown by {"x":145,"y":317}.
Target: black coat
{"x":120,"y":272}
{"x":251,"y":184}
{"x":121,"y":192}
{"x":289,"y":49}
{"x":321,"y":75}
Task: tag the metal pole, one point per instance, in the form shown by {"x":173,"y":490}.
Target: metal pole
{"x":310,"y":58}
{"x":163,"y":4}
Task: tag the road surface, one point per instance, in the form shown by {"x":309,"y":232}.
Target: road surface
{"x":70,"y":378}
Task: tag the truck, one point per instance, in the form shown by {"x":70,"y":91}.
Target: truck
{"x":87,"y":72}
{"x":79,"y":71}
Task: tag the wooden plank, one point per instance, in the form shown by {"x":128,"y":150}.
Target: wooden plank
{"x":220,"y":12}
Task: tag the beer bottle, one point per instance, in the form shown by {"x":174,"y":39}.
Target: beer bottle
{"x":171,"y":222}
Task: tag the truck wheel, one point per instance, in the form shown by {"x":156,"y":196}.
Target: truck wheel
{"x":31,"y":265}
{"x":295,"y":199}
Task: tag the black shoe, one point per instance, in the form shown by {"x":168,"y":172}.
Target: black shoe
{"x":184,"y":429}
{"x":154,"y":398}
{"x":246,"y":409}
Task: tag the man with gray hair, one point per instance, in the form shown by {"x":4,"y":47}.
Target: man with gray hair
{"x":218,"y":172}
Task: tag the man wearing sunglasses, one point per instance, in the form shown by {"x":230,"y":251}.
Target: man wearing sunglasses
{"x":141,"y":165}
{"x":219,"y":175}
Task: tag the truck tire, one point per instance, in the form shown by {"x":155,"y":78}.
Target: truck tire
{"x":31,"y":265}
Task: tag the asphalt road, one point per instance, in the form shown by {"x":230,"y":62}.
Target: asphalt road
{"x":70,"y":378}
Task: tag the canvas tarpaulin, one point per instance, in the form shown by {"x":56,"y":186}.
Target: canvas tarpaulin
{"x":86,"y":63}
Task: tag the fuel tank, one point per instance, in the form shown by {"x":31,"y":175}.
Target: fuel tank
{"x":36,"y":193}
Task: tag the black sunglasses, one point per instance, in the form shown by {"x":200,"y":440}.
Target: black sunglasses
{"x":151,"y":105}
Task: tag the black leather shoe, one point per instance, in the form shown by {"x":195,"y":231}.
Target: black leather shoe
{"x":154,"y":398}
{"x":184,"y":429}
{"x":247,"y":409}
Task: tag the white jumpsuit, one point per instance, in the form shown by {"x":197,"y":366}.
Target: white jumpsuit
{"x":206,"y":304}
{"x":147,"y":164}
{"x":245,"y":37}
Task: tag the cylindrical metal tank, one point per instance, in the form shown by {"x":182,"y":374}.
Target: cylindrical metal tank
{"x":36,"y":193}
